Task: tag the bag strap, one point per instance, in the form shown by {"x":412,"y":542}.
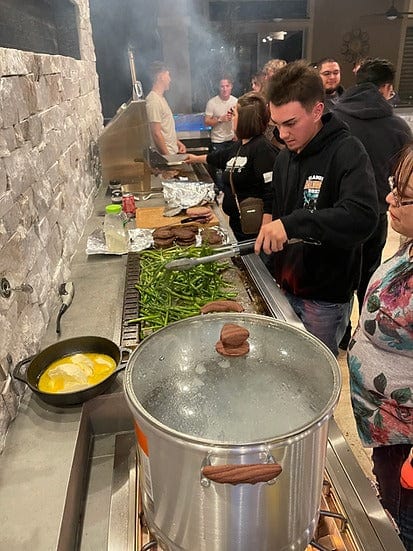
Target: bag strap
{"x":231,"y":181}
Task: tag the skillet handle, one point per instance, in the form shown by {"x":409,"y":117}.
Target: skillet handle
{"x":241,"y":474}
{"x":20,"y":372}
{"x":122,"y":363}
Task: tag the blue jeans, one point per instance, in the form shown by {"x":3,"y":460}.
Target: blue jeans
{"x":325,"y":320}
{"x":388,"y":461}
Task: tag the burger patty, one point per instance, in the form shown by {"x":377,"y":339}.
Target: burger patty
{"x":165,"y":232}
{"x":164,"y":243}
{"x":211,"y":237}
{"x":198,"y":211}
{"x":184,"y":233}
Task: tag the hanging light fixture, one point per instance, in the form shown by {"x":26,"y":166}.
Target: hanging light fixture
{"x":276,"y":35}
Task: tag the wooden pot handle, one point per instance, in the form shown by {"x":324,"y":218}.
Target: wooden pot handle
{"x":242,"y":474}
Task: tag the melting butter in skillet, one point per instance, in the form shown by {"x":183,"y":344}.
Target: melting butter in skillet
{"x":76,"y":372}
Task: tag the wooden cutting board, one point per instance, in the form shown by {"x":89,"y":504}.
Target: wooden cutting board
{"x":152,"y":217}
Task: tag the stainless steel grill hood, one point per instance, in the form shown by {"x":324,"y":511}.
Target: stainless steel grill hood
{"x":124,"y":145}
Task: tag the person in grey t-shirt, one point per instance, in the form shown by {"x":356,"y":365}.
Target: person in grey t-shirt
{"x":160,"y":117}
{"x":218,"y":115}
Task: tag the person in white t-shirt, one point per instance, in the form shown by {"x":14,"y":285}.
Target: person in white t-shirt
{"x":160,"y":117}
{"x":218,"y":115}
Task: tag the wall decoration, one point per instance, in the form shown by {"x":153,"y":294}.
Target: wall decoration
{"x":355,"y":45}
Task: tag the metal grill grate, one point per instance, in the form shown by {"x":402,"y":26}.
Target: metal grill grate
{"x":248,"y":296}
{"x":130,"y":333}
{"x":201,"y":172}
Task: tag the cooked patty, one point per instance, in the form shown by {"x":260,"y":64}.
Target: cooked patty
{"x":198,"y":211}
{"x":190,"y":226}
{"x":210,"y":236}
{"x":184,"y":233}
{"x":160,"y":243}
{"x":164,"y":233}
{"x":185,"y":242}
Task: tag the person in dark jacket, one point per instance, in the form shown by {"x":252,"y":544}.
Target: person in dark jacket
{"x":330,"y":73}
{"x":249,"y":161}
{"x":324,"y":191}
{"x":368,"y":113}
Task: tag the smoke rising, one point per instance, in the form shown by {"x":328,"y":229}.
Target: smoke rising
{"x":178,"y":33}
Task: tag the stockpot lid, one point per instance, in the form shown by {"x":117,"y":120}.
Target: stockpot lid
{"x":287,"y":383}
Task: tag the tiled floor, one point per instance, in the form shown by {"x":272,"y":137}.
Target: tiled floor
{"x":343,"y":414}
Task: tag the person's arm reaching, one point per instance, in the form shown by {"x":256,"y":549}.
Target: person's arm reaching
{"x":347,"y":222}
{"x":195,"y":158}
{"x":272,"y":236}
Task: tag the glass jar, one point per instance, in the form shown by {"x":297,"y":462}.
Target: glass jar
{"x":115,"y":233}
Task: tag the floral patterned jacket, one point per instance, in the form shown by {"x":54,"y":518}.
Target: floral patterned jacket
{"x":380,"y":356}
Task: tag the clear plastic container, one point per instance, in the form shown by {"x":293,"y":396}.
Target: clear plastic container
{"x":115,"y":233}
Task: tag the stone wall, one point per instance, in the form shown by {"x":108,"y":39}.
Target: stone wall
{"x":50,"y":118}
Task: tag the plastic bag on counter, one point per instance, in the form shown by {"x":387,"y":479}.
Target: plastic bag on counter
{"x":138,"y":240}
{"x":187,"y":194}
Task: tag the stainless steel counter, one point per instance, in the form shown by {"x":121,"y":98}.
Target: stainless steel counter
{"x":109,"y":512}
{"x":40,"y":444}
{"x":36,"y":462}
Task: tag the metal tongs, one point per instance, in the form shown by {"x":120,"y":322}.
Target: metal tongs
{"x":244,"y":247}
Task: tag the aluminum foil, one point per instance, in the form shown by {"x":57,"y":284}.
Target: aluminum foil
{"x":139,"y":240}
{"x":187,"y":194}
{"x":223,"y":234}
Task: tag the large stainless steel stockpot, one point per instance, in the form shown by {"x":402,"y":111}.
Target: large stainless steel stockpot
{"x":232,"y":450}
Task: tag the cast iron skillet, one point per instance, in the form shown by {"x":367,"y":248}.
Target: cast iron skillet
{"x":38,"y":364}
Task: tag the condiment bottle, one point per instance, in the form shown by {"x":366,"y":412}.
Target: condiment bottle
{"x":115,"y":233}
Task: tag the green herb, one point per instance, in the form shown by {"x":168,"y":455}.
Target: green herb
{"x":166,"y":296}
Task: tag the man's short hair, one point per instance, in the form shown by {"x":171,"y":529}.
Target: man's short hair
{"x":321,"y":62}
{"x":253,"y":115}
{"x":227,"y":77}
{"x":377,"y":71}
{"x":155,"y":68}
{"x":297,"y":81}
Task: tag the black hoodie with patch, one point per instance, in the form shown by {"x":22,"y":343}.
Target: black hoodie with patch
{"x":326,"y":193}
{"x":383,"y":134}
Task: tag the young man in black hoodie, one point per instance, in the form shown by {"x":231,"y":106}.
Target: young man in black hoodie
{"x":368,"y":113}
{"x":324,"y":191}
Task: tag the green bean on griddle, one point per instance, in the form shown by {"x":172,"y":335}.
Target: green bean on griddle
{"x":166,"y":296}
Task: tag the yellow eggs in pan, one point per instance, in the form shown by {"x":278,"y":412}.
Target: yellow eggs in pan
{"x":76,"y":372}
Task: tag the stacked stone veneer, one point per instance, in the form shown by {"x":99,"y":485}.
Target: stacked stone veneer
{"x":50,"y":118}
